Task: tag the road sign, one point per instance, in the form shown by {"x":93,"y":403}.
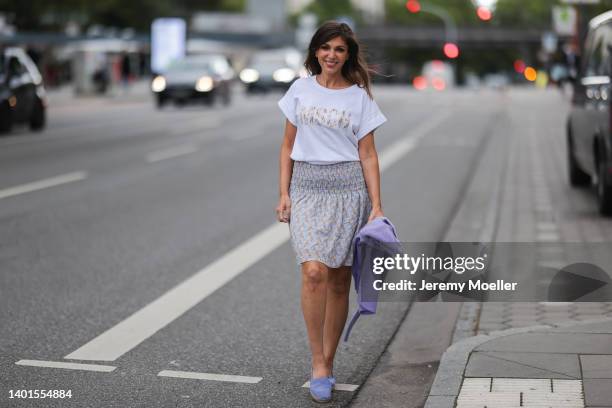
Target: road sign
{"x":564,"y":20}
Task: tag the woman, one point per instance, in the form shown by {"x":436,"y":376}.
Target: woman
{"x":329,"y":184}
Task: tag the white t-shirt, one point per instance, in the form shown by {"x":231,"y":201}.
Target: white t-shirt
{"x":329,"y":122}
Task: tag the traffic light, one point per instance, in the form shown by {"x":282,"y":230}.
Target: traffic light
{"x":519,"y":66}
{"x":413,"y":6}
{"x":483,"y":13}
{"x":451,"y":50}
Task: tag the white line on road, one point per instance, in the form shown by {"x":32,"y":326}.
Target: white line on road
{"x":194,"y":126}
{"x":244,"y":136}
{"x":41,"y":184}
{"x":337,"y":387}
{"x":68,"y":366}
{"x":211,"y":377}
{"x":401,"y":147}
{"x":171,"y":153}
{"x":129,"y":333}
{"x":126,"y":335}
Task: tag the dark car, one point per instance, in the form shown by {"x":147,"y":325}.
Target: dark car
{"x":589,"y":138}
{"x":270,"y":69}
{"x":22,"y":95}
{"x":195,"y":78}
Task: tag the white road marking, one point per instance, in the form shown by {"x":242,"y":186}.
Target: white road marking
{"x":337,"y":387}
{"x":41,"y":184}
{"x":129,"y":333}
{"x":171,"y":153}
{"x":68,"y":366}
{"x":547,"y":237}
{"x":401,"y":147}
{"x":126,"y":335}
{"x":245,"y":136}
{"x":211,"y":377}
{"x":194,"y":126}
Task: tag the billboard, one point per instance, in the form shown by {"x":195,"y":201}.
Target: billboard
{"x":168,"y":37}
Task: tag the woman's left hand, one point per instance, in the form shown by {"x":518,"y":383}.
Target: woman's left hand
{"x":375,"y":213}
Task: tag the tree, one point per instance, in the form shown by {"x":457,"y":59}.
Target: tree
{"x":507,"y":13}
{"x":53,"y":15}
{"x":462,"y":12}
{"x":329,"y":10}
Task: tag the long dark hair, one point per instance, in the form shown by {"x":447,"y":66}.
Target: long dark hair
{"x":355,"y":68}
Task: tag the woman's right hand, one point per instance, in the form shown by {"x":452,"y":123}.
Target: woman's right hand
{"x":283,"y":210}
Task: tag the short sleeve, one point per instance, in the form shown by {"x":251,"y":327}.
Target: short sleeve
{"x":371,"y":118}
{"x":288,"y":103}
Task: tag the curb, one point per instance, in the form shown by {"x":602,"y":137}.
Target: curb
{"x":445,"y":388}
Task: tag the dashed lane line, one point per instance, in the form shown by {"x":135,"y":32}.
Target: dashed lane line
{"x":337,"y":387}
{"x":172,"y":152}
{"x":69,"y":366}
{"x":210,"y":377}
{"x":400,"y":148}
{"x":42,"y":184}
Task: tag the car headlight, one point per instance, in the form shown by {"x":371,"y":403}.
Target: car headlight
{"x":249,"y":75}
{"x":283,"y":75}
{"x":204,"y":84}
{"x":158,"y":84}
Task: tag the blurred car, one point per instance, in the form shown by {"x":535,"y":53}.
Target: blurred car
{"x":496,"y":80}
{"x":472,"y":80}
{"x":436,"y":75}
{"x":195,"y":78}
{"x":22,"y":94}
{"x":588,"y":132}
{"x":269,"y":69}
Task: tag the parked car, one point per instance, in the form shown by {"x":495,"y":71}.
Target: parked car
{"x":195,"y":78}
{"x":270,"y":69}
{"x":589,"y":138}
{"x":22,"y":94}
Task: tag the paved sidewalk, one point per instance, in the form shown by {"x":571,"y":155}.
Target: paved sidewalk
{"x":138,"y":91}
{"x":539,"y":366}
{"x":537,"y":354}
{"x":515,"y":354}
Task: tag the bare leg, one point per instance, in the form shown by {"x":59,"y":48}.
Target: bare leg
{"x":314,"y":293}
{"x":336,"y":310}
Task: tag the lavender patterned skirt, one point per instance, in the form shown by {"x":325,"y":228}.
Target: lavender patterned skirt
{"x":329,"y":205}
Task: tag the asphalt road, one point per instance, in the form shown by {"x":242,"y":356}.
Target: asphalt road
{"x":138,"y":200}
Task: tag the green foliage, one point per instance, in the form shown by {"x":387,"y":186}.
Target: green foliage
{"x":461,"y":11}
{"x":524,"y":13}
{"x":329,"y":10}
{"x":529,"y":13}
{"x":508,"y":13}
{"x":138,"y":14}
